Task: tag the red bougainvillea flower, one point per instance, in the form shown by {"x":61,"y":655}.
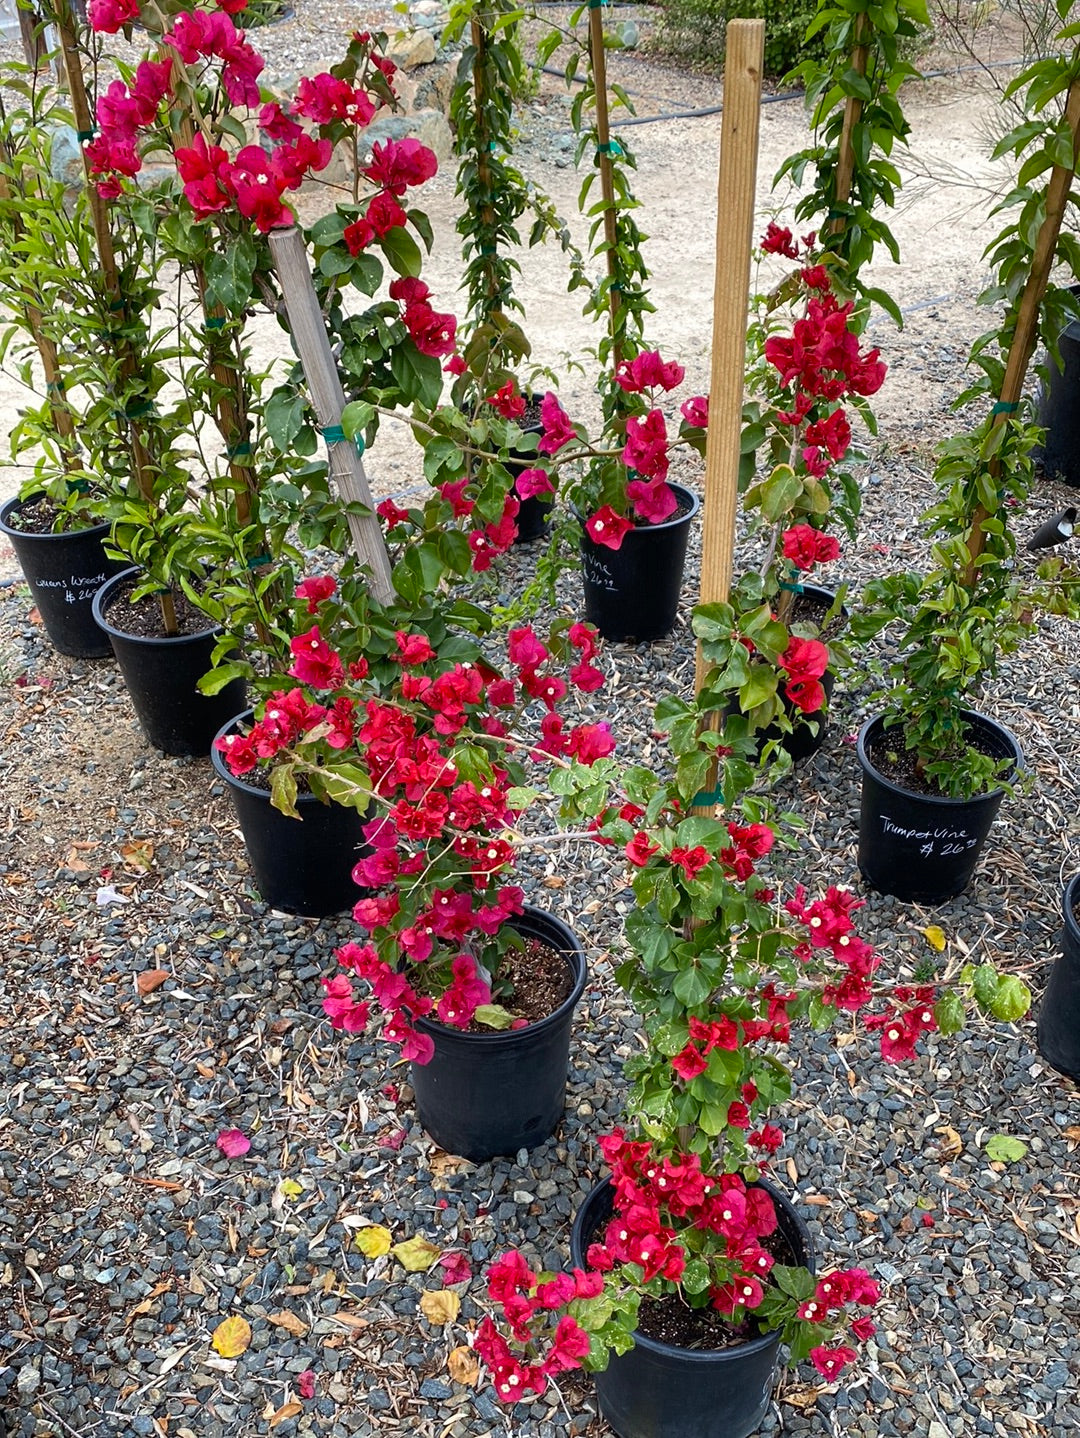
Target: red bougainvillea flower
{"x":608,"y":528}
{"x":805,"y":546}
{"x":315,"y":590}
{"x":640,"y":849}
{"x":507,"y":401}
{"x":324,"y":98}
{"x":830,"y":1362}
{"x":805,"y":661}
{"x":648,"y":371}
{"x":314,"y":662}
{"x":203,"y":171}
{"x":533,"y":484}
{"x":646,"y":448}
{"x":305,"y":1382}
{"x":696,"y":411}
{"x":109,"y":16}
{"x":691,"y":861}
{"x":557,"y":427}
{"x":341,"y":1007}
{"x":397,"y":164}
{"x":233,"y":1142}
{"x":778,"y":240}
{"x":653,"y":500}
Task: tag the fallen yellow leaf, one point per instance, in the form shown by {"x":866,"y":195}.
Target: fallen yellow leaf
{"x":232,"y":1336}
{"x":935,"y":937}
{"x":374,"y":1241}
{"x":290,"y":1188}
{"x":462,"y":1365}
{"x":440,"y":1305}
{"x":289,"y":1321}
{"x":415,"y":1254}
{"x":287,"y":1410}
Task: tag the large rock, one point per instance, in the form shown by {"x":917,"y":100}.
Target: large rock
{"x":413,"y":48}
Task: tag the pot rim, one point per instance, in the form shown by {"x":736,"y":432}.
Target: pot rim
{"x":1071,"y":896}
{"x":503,"y":1036}
{"x":17,"y":501}
{"x":737,"y":1350}
{"x":106,"y":591}
{"x":944,"y":801}
{"x":237,"y":781}
{"x":693,"y":498}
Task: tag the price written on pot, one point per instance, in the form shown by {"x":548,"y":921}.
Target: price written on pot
{"x":943,"y":841}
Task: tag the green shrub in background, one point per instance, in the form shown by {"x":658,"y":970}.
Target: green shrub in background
{"x":694,"y":31}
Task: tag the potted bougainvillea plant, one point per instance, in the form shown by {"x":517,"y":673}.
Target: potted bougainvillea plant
{"x":690,"y":1267}
{"x":476,"y":990}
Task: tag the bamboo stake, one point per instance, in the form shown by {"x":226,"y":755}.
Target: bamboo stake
{"x":141,"y":463}
{"x":845,"y":159}
{"x":483,"y":141}
{"x":598,"y":60}
{"x":230,"y":407}
{"x":1027,"y":322}
{"x":736,"y":192}
{"x":309,"y":335}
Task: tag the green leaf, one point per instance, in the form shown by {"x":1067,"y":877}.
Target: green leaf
{"x":1011,"y":999}
{"x":419,"y":376}
{"x":949,"y":1014}
{"x":283,"y":790}
{"x":283,"y":416}
{"x":230,"y":274}
{"x":494,"y":1016}
{"x":1003,"y":1149}
{"x":216,"y":680}
{"x":402,"y":252}
{"x":345,"y":784}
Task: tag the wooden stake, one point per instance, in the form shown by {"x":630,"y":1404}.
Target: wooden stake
{"x":1027,"y":322}
{"x":845,"y":159}
{"x":309,"y":334}
{"x":735,"y":197}
{"x":598,"y":59}
{"x":141,"y":462}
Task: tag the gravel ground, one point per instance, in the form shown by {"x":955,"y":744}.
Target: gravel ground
{"x":125,"y":1237}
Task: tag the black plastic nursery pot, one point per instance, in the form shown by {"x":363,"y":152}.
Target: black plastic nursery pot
{"x":1059,"y":409}
{"x":161,"y":676}
{"x":534,"y":516}
{"x":921,"y":847}
{"x":808,"y":730}
{"x":633,"y":592}
{"x":64,"y":572}
{"x":489,"y":1094}
{"x":1058,"y":1029}
{"x":659,"y":1391}
{"x":300,"y":866}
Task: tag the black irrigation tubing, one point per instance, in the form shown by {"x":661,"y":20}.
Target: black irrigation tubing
{"x":781,"y":99}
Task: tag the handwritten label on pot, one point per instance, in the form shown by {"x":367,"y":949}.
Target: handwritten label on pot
{"x":597,"y":572}
{"x":941,"y":841}
{"x":79,"y":587}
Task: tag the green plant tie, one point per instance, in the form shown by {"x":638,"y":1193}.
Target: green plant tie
{"x":488,"y":250}
{"x":117,"y":305}
{"x":794,"y":588}
{"x":78,"y":486}
{"x":334,"y":434}
{"x":238,"y":451}
{"x":707,"y":796}
{"x":54,"y":386}
{"x":138,"y":411}
{"x":609,"y":147}
{"x":82,"y":135}
{"x":1005,"y":407}
{"x":215,"y":322}
{"x":258,"y":561}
